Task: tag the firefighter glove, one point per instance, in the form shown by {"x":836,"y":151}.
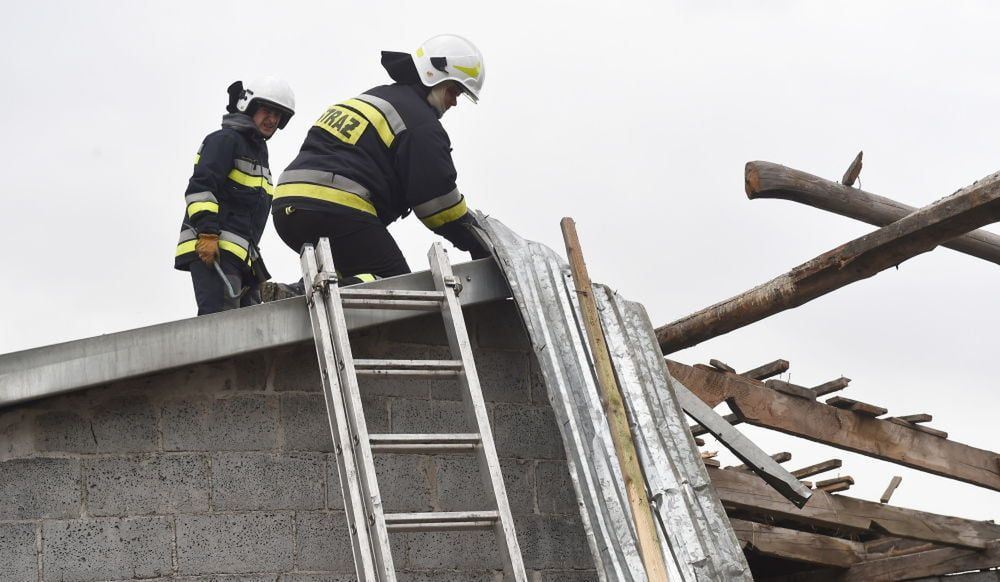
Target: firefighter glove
{"x":208,"y":248}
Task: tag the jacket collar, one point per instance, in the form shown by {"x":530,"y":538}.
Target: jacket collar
{"x":242,"y":123}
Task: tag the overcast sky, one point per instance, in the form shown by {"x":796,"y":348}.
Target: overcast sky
{"x":634,"y":118}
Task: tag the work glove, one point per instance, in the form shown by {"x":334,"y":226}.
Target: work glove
{"x":208,"y":248}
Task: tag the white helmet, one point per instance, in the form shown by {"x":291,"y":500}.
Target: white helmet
{"x":451,"y":57}
{"x":268,"y":90}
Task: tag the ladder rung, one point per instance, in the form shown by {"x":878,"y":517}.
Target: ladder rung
{"x":391,"y":299}
{"x":408,"y":367}
{"x":424,"y":443}
{"x":440,"y":521}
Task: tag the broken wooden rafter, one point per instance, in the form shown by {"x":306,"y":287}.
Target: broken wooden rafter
{"x":916,"y":418}
{"x":790,"y":544}
{"x":767,"y":370}
{"x":853,"y":171}
{"x":747,"y":493}
{"x":791,"y":389}
{"x":856,"y":406}
{"x":890,"y":489}
{"x":919,"y":427}
{"x":836,"y":484}
{"x":720,"y":365}
{"x":818,"y":468}
{"x":831,"y":386}
{"x":782,"y":457}
{"x":932,"y":562}
{"x":769,"y":180}
{"x":895,"y":441}
{"x":917,"y":233}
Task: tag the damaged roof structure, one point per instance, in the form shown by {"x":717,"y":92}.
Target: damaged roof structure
{"x":200,"y":450}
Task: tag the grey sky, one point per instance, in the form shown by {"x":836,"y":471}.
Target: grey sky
{"x":633,"y":118}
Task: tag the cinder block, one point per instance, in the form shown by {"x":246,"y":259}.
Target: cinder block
{"x":569,"y":576}
{"x":423,"y":330}
{"x":241,"y":423}
{"x":553,"y":542}
{"x":305,"y":427}
{"x":394,"y":385}
{"x":334,"y":497}
{"x":252,"y":371}
{"x":39,"y":488}
{"x":149,"y":484}
{"x":229,"y":578}
{"x":107,"y":549}
{"x":323,"y":542}
{"x":458,"y":550}
{"x":297,"y":369}
{"x":503,"y":377}
{"x":460,"y":487}
{"x":428,"y":416}
{"x":64,"y":430}
{"x":18,"y":557}
{"x":106,"y":423}
{"x":555,"y":488}
{"x":234,"y":543}
{"x":265,"y":481}
{"x":526,"y":432}
{"x":497,"y":325}
{"x":317,"y":578}
{"x":450,"y":576}
{"x":406,"y":482}
{"x":536,"y":383}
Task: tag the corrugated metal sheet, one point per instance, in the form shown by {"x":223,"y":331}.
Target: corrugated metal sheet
{"x":700,"y":544}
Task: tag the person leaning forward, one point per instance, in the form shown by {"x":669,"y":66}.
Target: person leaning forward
{"x":228,"y":198}
{"x":370,"y":160}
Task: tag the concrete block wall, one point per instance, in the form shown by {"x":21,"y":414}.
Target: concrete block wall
{"x":224,"y":472}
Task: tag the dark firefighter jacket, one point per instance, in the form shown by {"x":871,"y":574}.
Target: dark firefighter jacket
{"x":229,"y":193}
{"x":383,"y":153}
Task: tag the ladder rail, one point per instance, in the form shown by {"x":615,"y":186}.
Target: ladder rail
{"x":475,"y":408}
{"x":347,"y":469}
{"x":376,"y":530}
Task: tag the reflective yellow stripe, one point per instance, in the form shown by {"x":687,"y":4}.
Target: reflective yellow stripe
{"x":365,"y":277}
{"x":233,"y":248}
{"x":251,"y":181}
{"x":376,"y":118}
{"x":185,"y":247}
{"x":445,"y":216}
{"x":197,"y":158}
{"x":343,"y":124}
{"x":197,"y":207}
{"x":325,"y":194}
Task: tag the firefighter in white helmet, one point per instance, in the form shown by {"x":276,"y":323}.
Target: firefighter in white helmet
{"x":228,"y":198}
{"x":372,"y":159}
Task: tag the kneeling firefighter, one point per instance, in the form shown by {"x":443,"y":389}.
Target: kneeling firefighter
{"x":370,"y":160}
{"x":229,"y":198}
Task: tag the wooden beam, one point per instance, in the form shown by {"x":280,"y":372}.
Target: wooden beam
{"x":917,"y":233}
{"x":831,"y":386}
{"x":782,"y":457}
{"x":836,"y":484}
{"x":916,"y":418}
{"x":856,"y":406}
{"x":720,"y":365}
{"x":767,"y":370}
{"x":697,"y":430}
{"x":790,"y":544}
{"x":614,"y":408}
{"x":767,"y":180}
{"x":919,"y":427}
{"x":791,"y":389}
{"x":936,"y":562}
{"x":890,"y":489}
{"x":746,"y":492}
{"x":883,"y":439}
{"x":818,"y":468}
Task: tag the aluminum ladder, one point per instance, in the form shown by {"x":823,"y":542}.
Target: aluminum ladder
{"x":369,"y":524}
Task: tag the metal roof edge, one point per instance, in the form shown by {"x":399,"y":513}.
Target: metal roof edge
{"x":75,"y":365}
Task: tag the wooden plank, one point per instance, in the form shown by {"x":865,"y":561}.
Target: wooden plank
{"x":782,"y":457}
{"x":831,"y":386}
{"x":767,"y":370}
{"x":720,"y":365}
{"x":767,"y":180}
{"x":916,"y":418}
{"x":890,"y":489}
{"x":853,"y":171}
{"x":856,"y":406}
{"x":917,"y":233}
{"x":818,"y":468}
{"x":698,"y":430}
{"x":918,"y":427}
{"x":614,"y":408}
{"x":790,"y":544}
{"x":836,"y":484}
{"x":791,"y":389}
{"x":935,"y":562}
{"x":900,"y":443}
{"x":746,"y":492}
